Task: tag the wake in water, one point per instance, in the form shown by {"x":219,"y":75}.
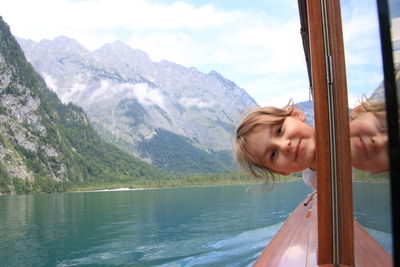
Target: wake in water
{"x":242,"y":249}
{"x":384,"y":239}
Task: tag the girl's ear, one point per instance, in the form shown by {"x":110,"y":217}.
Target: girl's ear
{"x":298,"y":114}
{"x":282,"y":173}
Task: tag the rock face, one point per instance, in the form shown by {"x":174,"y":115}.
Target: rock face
{"x":43,"y":139}
{"x":22,"y":125}
{"x":130,"y":99}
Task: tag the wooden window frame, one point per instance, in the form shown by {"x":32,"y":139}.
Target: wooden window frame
{"x":328,"y":79}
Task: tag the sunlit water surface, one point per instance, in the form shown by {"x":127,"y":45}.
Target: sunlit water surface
{"x":209,"y":226}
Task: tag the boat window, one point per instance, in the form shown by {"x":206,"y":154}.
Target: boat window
{"x":368,"y":120}
{"x":362,"y":94}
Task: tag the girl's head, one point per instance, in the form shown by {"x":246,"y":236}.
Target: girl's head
{"x":376,"y":107}
{"x":368,"y":137}
{"x":273,"y":140}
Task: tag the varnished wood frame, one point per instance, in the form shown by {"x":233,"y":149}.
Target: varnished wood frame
{"x":326,"y":182}
{"x":318,"y":77}
{"x":345,"y":184}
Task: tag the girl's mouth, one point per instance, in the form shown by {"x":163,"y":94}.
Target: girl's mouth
{"x":298,"y":147}
{"x":363,"y":147}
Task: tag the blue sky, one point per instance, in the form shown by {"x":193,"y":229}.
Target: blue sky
{"x":256,"y":44}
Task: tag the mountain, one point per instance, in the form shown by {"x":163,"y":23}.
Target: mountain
{"x":379,"y":93}
{"x":135,"y":102}
{"x":43,"y":141}
{"x":308,"y":108}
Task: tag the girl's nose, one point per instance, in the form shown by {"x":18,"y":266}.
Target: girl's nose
{"x":377,"y":143}
{"x":286,"y":146}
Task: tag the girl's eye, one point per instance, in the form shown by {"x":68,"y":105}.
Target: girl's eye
{"x":381,"y":127}
{"x":279,"y":130}
{"x":273,"y":155}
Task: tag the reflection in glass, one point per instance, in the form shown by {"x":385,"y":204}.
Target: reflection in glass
{"x":370,"y":160}
{"x":368,"y":129}
{"x":395,"y":32}
{"x":394,"y":7}
{"x":368,"y":137}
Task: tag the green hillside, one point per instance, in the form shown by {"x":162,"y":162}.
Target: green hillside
{"x":46,"y":145}
{"x":176,"y":154}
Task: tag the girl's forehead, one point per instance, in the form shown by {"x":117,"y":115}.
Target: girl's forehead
{"x":371,"y":117}
{"x":364,"y":117}
{"x":264,"y":127}
{"x":367,"y":115}
{"x":270,"y":121}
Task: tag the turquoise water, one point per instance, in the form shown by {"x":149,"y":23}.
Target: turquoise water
{"x":213,"y":226}
{"x":372,"y":209}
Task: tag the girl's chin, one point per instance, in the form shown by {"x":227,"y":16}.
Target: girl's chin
{"x":373,"y":168}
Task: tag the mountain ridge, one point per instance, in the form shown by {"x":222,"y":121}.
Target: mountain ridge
{"x":45,"y":143}
{"x":128,"y":97}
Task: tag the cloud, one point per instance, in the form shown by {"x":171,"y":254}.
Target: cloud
{"x":362,"y":48}
{"x":104,"y":91}
{"x":361,"y":39}
{"x":68,"y":95}
{"x":51,"y":18}
{"x":280,"y":89}
{"x":193,"y":102}
{"x":146,"y":95}
{"x":50,"y":82}
{"x":259,"y":49}
{"x":141,"y":91}
{"x":239,"y":44}
{"x":73,"y":93}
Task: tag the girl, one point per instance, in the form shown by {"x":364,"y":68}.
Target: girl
{"x":272,"y":140}
{"x":368,"y":137}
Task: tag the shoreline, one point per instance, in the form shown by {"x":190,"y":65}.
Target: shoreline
{"x":132,"y":187}
{"x":168,"y":187}
{"x":111,"y":190}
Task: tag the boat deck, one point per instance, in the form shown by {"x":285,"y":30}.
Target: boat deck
{"x":296,"y":243}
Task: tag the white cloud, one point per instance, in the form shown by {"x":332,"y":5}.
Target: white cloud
{"x":50,"y":18}
{"x":68,"y":95}
{"x":141,"y":91}
{"x":73,"y":93}
{"x":236,"y":43}
{"x":279,"y":89}
{"x":145,"y":95}
{"x":193,"y":102}
{"x":103,"y":91}
{"x":362,"y":48}
{"x":260,"y":50}
{"x":50,"y":81}
{"x":360,"y":39}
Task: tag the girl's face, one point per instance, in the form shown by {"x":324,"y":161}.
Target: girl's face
{"x":368,"y":138}
{"x":285,"y":148}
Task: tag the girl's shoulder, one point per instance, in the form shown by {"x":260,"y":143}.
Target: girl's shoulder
{"x":310,"y":178}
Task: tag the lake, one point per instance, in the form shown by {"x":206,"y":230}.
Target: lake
{"x":207,"y":226}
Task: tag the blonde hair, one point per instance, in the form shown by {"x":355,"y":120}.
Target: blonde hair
{"x":256,"y":120}
{"x":377,"y":107}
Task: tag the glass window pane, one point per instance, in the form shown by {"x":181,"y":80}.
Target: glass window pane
{"x":371,"y":191}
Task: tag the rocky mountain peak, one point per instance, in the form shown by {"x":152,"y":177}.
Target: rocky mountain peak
{"x":121,"y":58}
{"x":44,"y":142}
{"x":130,"y":98}
{"x":120,"y":49}
{"x":64,"y":45}
{"x":222,"y":79}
